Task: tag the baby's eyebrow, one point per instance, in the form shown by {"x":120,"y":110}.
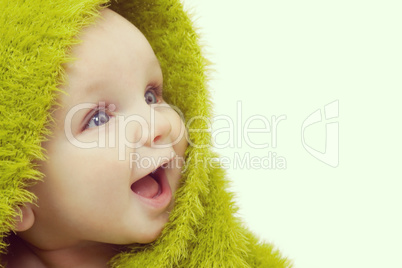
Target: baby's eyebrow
{"x":91,"y":88}
{"x":94,"y":85}
{"x":159,"y":63}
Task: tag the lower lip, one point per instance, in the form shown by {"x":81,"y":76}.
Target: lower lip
{"x":163,"y":199}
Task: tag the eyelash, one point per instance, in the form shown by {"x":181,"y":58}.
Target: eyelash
{"x":156,"y":89}
{"x":94,"y":112}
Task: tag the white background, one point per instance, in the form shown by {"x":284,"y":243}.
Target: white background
{"x":291,"y":58}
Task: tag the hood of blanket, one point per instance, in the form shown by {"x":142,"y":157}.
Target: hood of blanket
{"x":35,"y":36}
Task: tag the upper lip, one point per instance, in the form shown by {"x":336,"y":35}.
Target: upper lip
{"x":149,"y":171}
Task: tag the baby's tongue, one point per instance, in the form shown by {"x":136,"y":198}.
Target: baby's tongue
{"x":146,"y":187}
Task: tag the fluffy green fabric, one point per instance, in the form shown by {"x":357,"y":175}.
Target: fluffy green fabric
{"x":35,"y":36}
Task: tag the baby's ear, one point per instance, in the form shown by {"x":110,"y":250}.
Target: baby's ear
{"x":26,"y":219}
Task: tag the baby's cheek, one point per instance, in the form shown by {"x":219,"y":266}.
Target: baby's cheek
{"x":178,"y":127}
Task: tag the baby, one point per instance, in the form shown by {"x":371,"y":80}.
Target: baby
{"x":93,"y":199}
{"x":94,"y":175}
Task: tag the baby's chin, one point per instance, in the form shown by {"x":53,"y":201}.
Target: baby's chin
{"x":151,"y":231}
{"x":148,"y":237}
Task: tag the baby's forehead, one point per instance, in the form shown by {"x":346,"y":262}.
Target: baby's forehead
{"x":111,"y":29}
{"x":108,"y":46}
{"x":114,"y":57}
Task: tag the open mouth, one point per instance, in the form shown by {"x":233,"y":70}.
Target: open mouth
{"x":149,"y":186}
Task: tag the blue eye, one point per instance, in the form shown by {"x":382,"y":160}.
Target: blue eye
{"x":150,"y":97}
{"x":98,"y":119}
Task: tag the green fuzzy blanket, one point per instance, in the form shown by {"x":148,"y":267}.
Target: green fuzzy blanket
{"x":34,"y":38}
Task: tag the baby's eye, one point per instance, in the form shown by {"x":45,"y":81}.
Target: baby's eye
{"x":98,"y":119}
{"x":151,"y":97}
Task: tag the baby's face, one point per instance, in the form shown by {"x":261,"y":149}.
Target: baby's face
{"x":89,"y":192}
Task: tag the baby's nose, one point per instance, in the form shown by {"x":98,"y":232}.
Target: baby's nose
{"x":160,"y":127}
